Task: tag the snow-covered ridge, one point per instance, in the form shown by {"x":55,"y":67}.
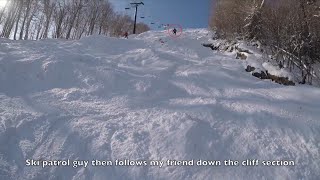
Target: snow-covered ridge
{"x":151,"y":97}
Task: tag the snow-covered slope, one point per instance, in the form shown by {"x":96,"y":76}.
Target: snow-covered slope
{"x":151,"y":97}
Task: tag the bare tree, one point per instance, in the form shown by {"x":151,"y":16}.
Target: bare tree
{"x":39,"y":27}
{"x":254,"y":21}
{"x":17,"y":19}
{"x":9,"y":22}
{"x":70,"y":19}
{"x":106,"y":17}
{"x":74,"y":10}
{"x":94,"y":15}
{"x":30,"y":18}
{"x":60,"y":13}
{"x":141,"y":27}
{"x":49,"y":7}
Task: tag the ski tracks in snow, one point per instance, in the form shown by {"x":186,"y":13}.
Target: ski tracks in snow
{"x":107,"y":98}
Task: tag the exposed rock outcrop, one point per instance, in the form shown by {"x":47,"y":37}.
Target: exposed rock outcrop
{"x":212,"y":46}
{"x":250,"y":68}
{"x":265,"y":75}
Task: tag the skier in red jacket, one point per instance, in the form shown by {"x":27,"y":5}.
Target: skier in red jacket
{"x":126,"y":35}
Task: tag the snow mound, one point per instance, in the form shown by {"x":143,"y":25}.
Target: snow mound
{"x":150,"y":97}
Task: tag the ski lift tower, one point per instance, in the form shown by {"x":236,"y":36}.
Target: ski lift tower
{"x":135,"y":15}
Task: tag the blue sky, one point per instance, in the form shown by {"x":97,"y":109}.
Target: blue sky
{"x":187,"y":13}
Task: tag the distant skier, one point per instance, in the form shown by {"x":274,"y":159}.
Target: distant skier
{"x":126,"y":35}
{"x":161,"y":41}
{"x":174,"y":31}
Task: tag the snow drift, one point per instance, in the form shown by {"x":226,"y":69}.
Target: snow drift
{"x":149,"y":98}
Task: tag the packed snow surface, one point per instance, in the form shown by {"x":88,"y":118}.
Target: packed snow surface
{"x":151,"y":97}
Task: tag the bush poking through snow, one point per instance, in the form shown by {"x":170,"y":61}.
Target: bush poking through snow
{"x":241,"y":56}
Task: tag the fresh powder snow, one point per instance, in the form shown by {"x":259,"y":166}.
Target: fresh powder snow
{"x":65,"y":104}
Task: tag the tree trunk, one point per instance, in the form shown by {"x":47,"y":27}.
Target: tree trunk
{"x":17,"y":22}
{"x":28,"y":5}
